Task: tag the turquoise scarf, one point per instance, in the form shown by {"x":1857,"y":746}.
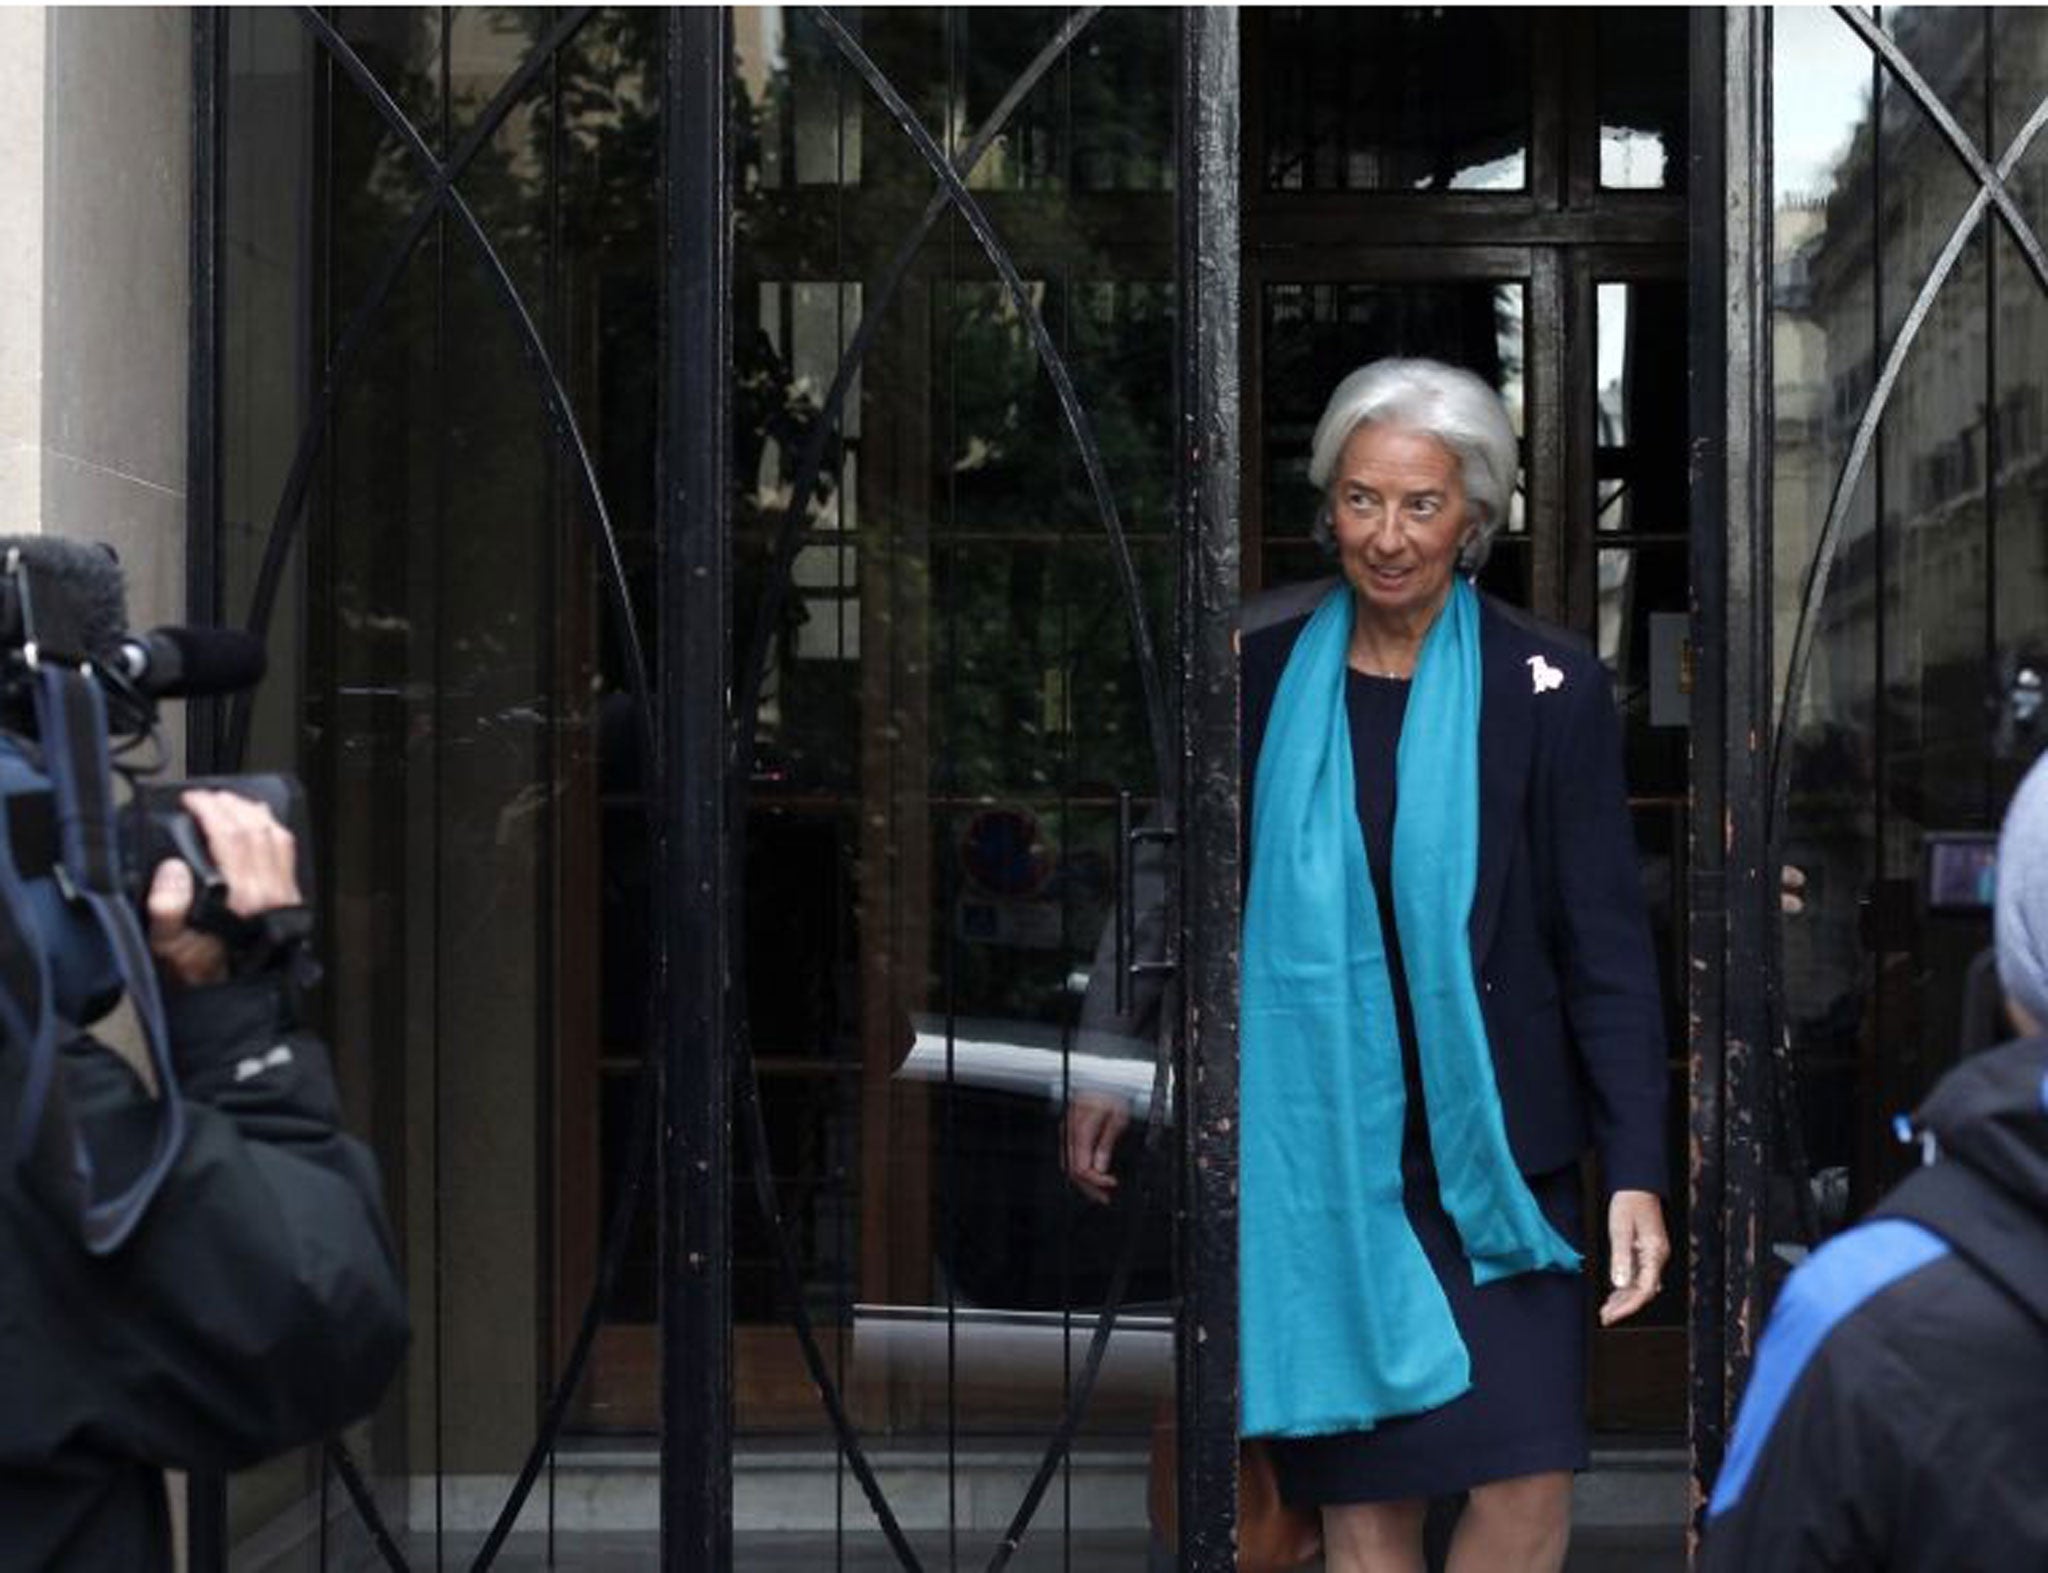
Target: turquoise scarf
{"x":1343,"y":1322}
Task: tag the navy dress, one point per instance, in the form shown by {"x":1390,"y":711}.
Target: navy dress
{"x":1526,"y":1335}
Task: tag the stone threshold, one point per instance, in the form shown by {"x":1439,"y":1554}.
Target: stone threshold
{"x":803,"y":1488}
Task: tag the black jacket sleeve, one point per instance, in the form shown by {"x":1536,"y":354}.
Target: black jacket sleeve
{"x":1608,"y":968}
{"x":258,"y":1304}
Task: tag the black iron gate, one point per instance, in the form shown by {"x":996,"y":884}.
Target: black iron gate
{"x":400,"y":665}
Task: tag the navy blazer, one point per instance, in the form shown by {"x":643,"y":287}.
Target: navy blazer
{"x":1560,"y":932}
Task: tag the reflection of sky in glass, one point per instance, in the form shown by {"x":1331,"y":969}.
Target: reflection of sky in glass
{"x":1508,"y":331}
{"x":1507,"y":328}
{"x":1632,"y":160}
{"x":1610,"y":342}
{"x":1506,"y":173}
{"x":1822,"y":92}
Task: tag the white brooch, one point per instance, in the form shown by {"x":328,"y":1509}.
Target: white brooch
{"x":1544,"y":675}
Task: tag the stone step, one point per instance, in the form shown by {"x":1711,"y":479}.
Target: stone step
{"x":793,"y":1498}
{"x":805,"y":1489}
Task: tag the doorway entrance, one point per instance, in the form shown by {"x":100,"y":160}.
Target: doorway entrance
{"x":950,"y":571}
{"x":1506,"y":191}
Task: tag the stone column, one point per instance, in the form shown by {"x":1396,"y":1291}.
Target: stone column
{"x":116,"y":201}
{"x":95,"y":112}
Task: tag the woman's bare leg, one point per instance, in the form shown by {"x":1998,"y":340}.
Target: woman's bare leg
{"x":1373,"y":1537}
{"x":1514,"y":1526}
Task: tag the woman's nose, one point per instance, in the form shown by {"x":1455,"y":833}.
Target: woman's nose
{"x":1385,"y":539}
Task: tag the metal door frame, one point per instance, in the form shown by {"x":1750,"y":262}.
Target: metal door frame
{"x":699,"y":890}
{"x":1206,"y":1364}
{"x":1733,"y":904}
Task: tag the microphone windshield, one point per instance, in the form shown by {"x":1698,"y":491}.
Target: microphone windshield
{"x":76,"y":597}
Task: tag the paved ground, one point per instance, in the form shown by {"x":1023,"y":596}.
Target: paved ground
{"x":1594,"y":1551}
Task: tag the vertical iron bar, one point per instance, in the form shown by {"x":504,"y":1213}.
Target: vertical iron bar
{"x":1208,"y":787}
{"x":1992,"y":446}
{"x":436,"y":555}
{"x":206,"y":1528}
{"x":203,"y":596}
{"x":1544,"y":468}
{"x":696,"y":765}
{"x":1126,"y":899}
{"x":554,"y":322}
{"x":1734,"y":888}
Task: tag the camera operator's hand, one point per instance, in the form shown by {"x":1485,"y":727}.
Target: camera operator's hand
{"x":256,"y":857}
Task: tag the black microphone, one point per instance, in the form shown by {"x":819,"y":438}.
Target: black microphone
{"x":191,"y":663}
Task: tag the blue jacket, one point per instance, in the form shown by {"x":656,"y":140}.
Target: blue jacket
{"x":1560,"y":932}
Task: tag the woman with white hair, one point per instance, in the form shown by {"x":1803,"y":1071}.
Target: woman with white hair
{"x":1449,"y":993}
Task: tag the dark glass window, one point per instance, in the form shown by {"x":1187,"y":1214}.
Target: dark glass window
{"x":1639,"y":390}
{"x":1396,"y":98}
{"x":1640,"y":97}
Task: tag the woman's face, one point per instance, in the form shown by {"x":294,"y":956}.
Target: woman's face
{"x":1398,"y":510}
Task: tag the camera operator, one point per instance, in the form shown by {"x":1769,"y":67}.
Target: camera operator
{"x":249,"y":1300}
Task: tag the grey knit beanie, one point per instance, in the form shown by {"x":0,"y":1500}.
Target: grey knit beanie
{"x":2022,"y":897}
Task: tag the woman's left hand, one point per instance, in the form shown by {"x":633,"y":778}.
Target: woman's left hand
{"x":1635,"y":1234}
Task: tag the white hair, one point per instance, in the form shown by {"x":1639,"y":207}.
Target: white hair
{"x":1445,"y":402}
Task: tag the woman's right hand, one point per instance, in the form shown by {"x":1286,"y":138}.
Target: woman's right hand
{"x":1093,"y":1125}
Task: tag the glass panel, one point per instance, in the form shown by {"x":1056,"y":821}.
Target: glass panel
{"x":1642,"y":632}
{"x":1892,"y":739}
{"x":2017,"y":440}
{"x":1640,"y":67}
{"x":1316,"y":334}
{"x":1932,"y":742}
{"x":1825,"y":350}
{"x":459,"y":708}
{"x":1922,"y":188}
{"x":263,"y":400}
{"x":1640,"y":403}
{"x":950,"y":706}
{"x":1396,"y":98}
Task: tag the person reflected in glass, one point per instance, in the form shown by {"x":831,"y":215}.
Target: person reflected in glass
{"x":1449,"y":994}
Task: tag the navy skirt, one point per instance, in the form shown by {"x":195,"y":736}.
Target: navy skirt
{"x":1525,"y":1412}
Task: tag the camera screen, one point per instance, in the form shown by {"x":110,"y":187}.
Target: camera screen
{"x":1962,"y":870}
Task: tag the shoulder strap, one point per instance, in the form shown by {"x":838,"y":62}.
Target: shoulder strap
{"x":49,"y":1147}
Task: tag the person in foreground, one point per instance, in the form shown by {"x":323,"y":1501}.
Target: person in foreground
{"x":1893,"y":1419}
{"x":257,"y":1303}
{"x":1448,"y":989}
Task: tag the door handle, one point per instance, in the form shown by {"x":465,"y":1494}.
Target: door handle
{"x":1129,"y":837}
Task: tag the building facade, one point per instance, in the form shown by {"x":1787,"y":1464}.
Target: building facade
{"x":748,"y":507}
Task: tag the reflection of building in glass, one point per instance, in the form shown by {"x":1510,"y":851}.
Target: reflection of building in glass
{"x":1939,"y":563}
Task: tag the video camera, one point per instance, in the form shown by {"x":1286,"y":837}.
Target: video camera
{"x":78,"y":693}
